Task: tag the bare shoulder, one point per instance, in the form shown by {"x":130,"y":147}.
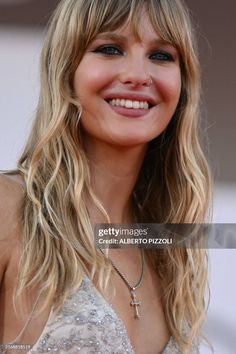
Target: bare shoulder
{"x":11,"y":202}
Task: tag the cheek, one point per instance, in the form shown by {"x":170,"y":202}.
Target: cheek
{"x":169,"y":86}
{"x":92,"y":78}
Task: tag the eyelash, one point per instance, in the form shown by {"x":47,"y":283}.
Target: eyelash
{"x":111,"y":50}
{"x":162,"y":56}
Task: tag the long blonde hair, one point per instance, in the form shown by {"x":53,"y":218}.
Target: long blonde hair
{"x":174,"y":185}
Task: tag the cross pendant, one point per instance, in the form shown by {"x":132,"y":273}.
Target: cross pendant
{"x":135,"y":303}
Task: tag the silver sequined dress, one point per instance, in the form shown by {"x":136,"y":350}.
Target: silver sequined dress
{"x":87,"y":324}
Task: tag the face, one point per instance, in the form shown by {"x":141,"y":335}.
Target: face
{"x":128,"y":88}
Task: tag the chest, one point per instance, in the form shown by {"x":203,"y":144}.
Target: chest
{"x":22,"y":325}
{"x":147,"y":335}
{"x":149,"y":332}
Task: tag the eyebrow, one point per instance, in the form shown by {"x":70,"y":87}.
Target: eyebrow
{"x":110,"y":35}
{"x":121,"y":38}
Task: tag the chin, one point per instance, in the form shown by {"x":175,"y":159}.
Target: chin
{"x":131,"y":140}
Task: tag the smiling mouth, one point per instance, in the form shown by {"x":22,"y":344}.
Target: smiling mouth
{"x":130,"y":104}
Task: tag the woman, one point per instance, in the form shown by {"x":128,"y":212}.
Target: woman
{"x":114,"y":140}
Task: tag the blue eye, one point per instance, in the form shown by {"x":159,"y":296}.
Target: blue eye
{"x":161,"y":56}
{"x":108,"y":50}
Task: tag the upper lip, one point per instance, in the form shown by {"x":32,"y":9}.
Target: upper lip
{"x":131,"y":96}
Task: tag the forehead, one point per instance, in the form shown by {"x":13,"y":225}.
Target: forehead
{"x":142,"y":31}
{"x":138,"y":26}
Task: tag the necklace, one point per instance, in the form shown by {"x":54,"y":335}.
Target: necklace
{"x":134,"y":301}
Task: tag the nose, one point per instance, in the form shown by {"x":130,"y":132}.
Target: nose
{"x":135,"y":71}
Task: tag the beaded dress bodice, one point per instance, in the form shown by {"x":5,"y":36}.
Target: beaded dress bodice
{"x":87,"y":324}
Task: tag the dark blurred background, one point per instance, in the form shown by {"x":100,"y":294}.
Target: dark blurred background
{"x":26,"y":12}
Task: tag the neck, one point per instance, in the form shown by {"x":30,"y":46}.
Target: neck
{"x":114,"y":172}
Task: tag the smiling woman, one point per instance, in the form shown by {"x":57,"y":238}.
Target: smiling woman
{"x":122,"y":75}
{"x":114,"y":140}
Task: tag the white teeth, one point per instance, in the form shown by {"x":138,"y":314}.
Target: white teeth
{"x":137,"y":105}
{"x":129,"y":103}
